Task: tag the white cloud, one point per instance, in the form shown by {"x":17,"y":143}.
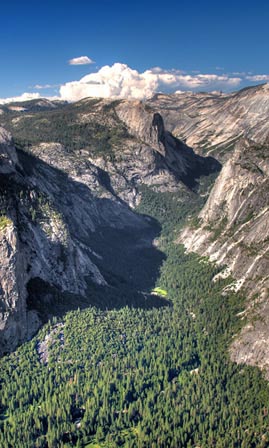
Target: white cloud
{"x":120,"y":81}
{"x":257,"y":78}
{"x":81,"y":60}
{"x":24,"y":97}
{"x":27,"y":97}
{"x":238,"y":73}
{"x":45,"y":86}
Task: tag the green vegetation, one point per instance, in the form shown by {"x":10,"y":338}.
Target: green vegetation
{"x":161,"y":292}
{"x":126,"y":377}
{"x":217,"y":228}
{"x":69,"y":126}
{"x":4,"y":222}
{"x":170,"y":209}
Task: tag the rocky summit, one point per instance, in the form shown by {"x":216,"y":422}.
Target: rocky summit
{"x":72,"y":175}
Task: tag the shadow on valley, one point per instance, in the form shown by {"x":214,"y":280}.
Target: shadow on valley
{"x":130,"y":265}
{"x":104,"y":232}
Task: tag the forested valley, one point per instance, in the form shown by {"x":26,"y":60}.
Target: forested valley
{"x":140,"y":377}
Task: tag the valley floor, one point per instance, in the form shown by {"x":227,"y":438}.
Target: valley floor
{"x":134,"y":377}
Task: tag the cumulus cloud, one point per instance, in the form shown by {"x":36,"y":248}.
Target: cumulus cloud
{"x":258,"y":78}
{"x":120,"y":81}
{"x":81,"y":60}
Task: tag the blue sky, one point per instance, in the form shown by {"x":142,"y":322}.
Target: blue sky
{"x":227,"y":39}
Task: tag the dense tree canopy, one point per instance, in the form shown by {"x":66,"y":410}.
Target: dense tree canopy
{"x":134,"y":377}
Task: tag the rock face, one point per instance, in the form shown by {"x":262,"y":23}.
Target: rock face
{"x":233,"y":230}
{"x":233,"y":226}
{"x":212,"y":123}
{"x":47,"y":225}
{"x":8,"y":156}
{"x":172,"y":155}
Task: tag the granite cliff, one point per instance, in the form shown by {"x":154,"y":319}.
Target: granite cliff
{"x":46,"y":220}
{"x":233,"y":230}
{"x":212,"y":123}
